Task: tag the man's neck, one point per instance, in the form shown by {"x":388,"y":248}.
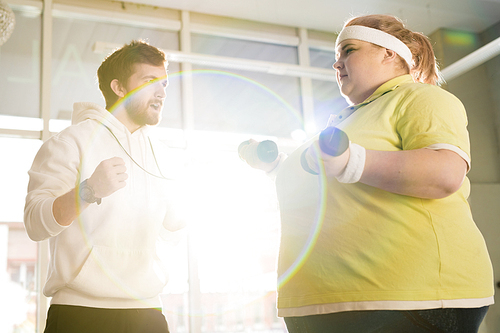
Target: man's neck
{"x":121,"y":114}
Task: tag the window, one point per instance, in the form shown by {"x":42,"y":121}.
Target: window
{"x":20,"y":72}
{"x":244,"y":49}
{"x":246,"y":102}
{"x":242,"y":101}
{"x":327,"y":98}
{"x":18,"y":254}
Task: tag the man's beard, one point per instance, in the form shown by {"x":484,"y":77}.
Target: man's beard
{"x":139,"y":114}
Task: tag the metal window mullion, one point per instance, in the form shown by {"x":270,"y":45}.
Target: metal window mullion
{"x":45,"y":94}
{"x":268,"y":67}
{"x":306,"y":84}
{"x":45,"y":75}
{"x":186,"y":68}
{"x":105,"y":15}
{"x":194,"y":293}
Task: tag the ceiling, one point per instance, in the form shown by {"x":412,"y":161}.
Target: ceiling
{"x":328,"y":15}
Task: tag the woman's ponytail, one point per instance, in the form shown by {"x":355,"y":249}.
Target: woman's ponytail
{"x":424,"y":68}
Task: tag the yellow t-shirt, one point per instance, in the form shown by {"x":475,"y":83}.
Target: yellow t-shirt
{"x":355,"y":244}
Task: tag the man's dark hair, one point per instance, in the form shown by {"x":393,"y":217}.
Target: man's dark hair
{"x":119,"y":65}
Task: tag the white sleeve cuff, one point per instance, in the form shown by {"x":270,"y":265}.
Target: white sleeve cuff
{"x":447,"y":146}
{"x":355,"y":166}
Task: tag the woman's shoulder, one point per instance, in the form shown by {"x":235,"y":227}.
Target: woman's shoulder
{"x":425,"y":87}
{"x":416,"y":91}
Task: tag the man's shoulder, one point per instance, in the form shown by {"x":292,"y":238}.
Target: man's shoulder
{"x":77,"y":132}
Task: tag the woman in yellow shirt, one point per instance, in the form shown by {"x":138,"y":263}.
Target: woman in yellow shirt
{"x":381,"y":238}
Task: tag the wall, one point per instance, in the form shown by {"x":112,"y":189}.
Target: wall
{"x":485,"y":206}
{"x":493,"y":76}
{"x":478,"y":90}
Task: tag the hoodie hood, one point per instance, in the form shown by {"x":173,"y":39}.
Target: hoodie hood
{"x":87,"y":110}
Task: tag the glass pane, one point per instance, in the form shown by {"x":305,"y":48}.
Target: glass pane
{"x":321,"y":58}
{"x":76,"y":60}
{"x":17,"y":252}
{"x":246,"y":102}
{"x":234,"y":238}
{"x":327,"y":101}
{"x":19,"y":155}
{"x":242,"y":101}
{"x":174,"y":254}
{"x":327,"y":98}
{"x":236,"y":48}
{"x":175,"y":295}
{"x":20,"y":68}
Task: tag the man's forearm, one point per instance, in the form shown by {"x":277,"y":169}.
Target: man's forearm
{"x":68,"y":207}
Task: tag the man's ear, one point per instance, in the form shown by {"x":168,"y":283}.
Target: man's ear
{"x":118,"y":88}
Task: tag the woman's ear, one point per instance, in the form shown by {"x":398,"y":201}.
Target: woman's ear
{"x":117,"y":88}
{"x":390,"y":55}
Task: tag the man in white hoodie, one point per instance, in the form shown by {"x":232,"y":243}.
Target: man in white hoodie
{"x":97,"y":192}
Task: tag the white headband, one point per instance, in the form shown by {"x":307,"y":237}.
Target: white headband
{"x":377,"y":37}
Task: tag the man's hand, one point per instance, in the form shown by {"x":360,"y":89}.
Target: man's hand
{"x":109,"y":176}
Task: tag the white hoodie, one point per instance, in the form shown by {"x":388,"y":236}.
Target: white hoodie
{"x":106,"y":258}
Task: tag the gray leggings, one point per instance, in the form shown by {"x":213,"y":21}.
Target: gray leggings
{"x":453,"y":320}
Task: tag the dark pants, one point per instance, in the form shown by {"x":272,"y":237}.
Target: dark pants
{"x":418,"y":321}
{"x":79,"y":319}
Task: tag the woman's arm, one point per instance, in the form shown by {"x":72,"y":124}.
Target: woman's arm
{"x":423,"y":173}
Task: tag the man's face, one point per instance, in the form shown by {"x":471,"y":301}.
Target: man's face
{"x":145,"y":94}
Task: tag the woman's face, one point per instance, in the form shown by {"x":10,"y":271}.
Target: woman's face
{"x":361,"y":68}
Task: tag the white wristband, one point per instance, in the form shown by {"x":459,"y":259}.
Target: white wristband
{"x":355,"y":166}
